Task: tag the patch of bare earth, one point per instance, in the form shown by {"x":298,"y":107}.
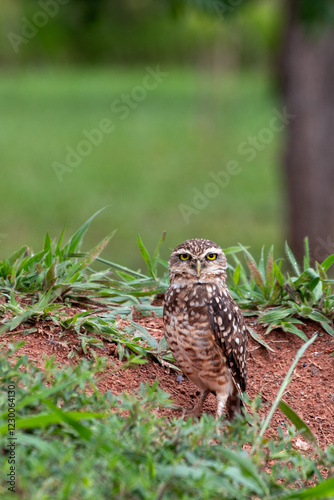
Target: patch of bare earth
{"x":310,"y":392}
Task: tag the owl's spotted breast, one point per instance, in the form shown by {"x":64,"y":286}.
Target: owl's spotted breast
{"x":192,"y":342}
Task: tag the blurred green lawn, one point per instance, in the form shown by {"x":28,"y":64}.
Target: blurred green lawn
{"x":190,"y":125}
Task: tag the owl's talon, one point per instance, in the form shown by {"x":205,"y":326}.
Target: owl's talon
{"x":191,"y":412}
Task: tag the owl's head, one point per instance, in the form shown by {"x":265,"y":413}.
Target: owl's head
{"x":197,"y":261}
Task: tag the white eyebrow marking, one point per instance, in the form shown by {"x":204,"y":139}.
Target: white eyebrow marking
{"x":211,"y":250}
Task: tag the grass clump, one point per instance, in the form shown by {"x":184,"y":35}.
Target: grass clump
{"x":283,"y":299}
{"x":73,"y":442}
{"x":40,"y":286}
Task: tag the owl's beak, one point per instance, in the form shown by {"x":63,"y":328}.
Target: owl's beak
{"x":198,"y":267}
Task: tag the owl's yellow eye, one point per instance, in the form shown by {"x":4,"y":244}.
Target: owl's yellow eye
{"x":184,"y":256}
{"x":211,"y":256}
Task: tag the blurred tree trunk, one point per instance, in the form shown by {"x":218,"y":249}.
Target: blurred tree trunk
{"x":307,"y":67}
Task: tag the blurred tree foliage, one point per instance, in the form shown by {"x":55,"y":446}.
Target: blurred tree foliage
{"x":104,"y":31}
{"x":319,"y":12}
{"x":294,"y":36}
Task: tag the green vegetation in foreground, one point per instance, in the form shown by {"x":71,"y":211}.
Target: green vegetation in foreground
{"x":74,"y":443}
{"x":190,"y":125}
{"x":79,"y":444}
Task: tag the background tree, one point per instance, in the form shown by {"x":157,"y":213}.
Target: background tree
{"x":307,"y":68}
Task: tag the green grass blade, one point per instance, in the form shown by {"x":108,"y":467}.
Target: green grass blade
{"x":16,"y":255}
{"x":236,"y":274}
{"x":261,"y":266}
{"x":35,"y":259}
{"x":273,"y":315}
{"x":307,"y":276}
{"x":95,"y":252}
{"x":17,"y":320}
{"x":288,"y":326}
{"x":323,"y":490}
{"x":292,"y":259}
{"x":328,"y":262}
{"x":284,"y":385}
{"x":113,"y":265}
{"x":155,"y":256}
{"x":243,"y":273}
{"x":59,"y":253}
{"x":307,"y":254}
{"x":298,"y":423}
{"x":269,"y":273}
{"x":50,"y":277}
{"x":314,"y":283}
{"x":47,"y":242}
{"x":258,"y":339}
{"x":278,"y":274}
{"x":146,"y":257}
{"x":233,"y":250}
{"x":82,"y":430}
{"x":61,"y":237}
{"x":163,"y":263}
{"x":247,"y":253}
{"x":327,"y":327}
{"x":248,"y":469}
{"x":88,"y":258}
{"x":152,"y":341}
{"x":45,"y":393}
{"x":73,"y":244}
{"x":45,"y":419}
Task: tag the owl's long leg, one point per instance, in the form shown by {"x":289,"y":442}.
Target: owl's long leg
{"x":233,"y":405}
{"x":221,"y":404}
{"x":197,"y":410}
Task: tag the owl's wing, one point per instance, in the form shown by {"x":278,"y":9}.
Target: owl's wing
{"x":228,"y":326}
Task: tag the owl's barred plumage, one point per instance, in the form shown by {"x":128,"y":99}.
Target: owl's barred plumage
{"x":203,"y":325}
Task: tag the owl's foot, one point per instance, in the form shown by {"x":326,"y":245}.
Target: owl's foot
{"x":192,"y":412}
{"x":197,"y":410}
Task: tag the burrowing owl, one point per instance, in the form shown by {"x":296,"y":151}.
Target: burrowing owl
{"x":203,"y":325}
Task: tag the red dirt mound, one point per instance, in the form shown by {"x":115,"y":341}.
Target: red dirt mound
{"x":310,"y":392}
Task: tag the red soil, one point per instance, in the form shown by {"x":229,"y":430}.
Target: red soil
{"x":310,"y":392}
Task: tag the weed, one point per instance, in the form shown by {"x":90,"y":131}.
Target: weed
{"x":78,"y":443}
{"x":283,"y":300}
{"x":40,"y":286}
